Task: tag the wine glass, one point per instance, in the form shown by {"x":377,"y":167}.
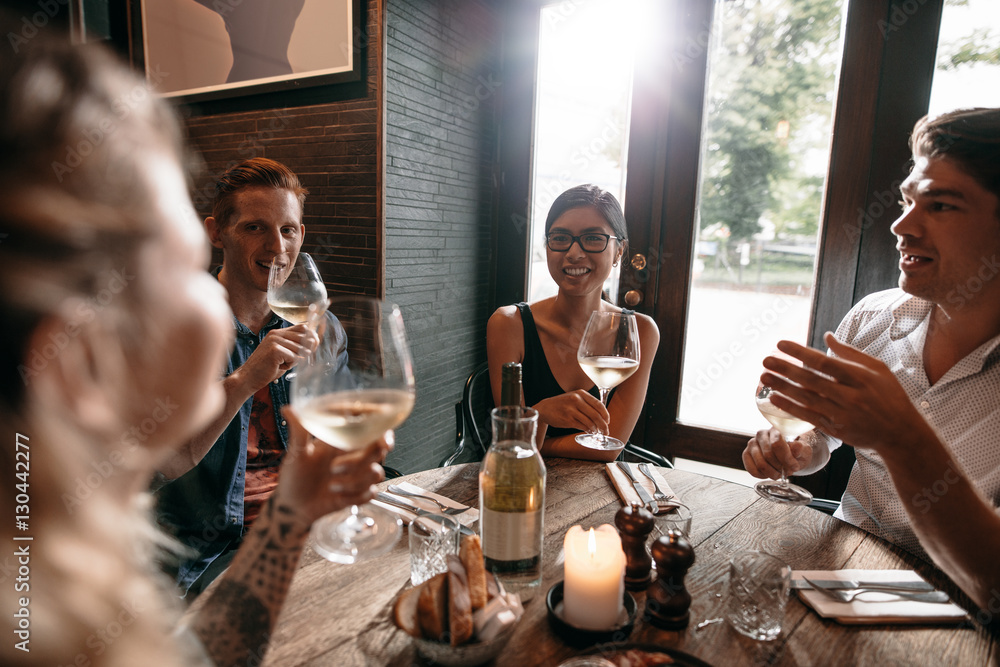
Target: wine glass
{"x":790,"y":427}
{"x":608,"y":354}
{"x":357,"y":385}
{"x":293,"y":286}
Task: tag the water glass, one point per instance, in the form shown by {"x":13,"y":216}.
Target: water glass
{"x":431,"y":541}
{"x":758,"y":593}
{"x":678,"y":519}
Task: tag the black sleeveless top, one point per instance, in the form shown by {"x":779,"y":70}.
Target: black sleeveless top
{"x":537,"y":380}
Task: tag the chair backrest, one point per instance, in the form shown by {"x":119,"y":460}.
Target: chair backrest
{"x":477,"y":402}
{"x":473,"y":432}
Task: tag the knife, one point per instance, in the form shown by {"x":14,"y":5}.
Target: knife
{"x":419,"y":511}
{"x":851,"y":584}
{"x":643,"y":493}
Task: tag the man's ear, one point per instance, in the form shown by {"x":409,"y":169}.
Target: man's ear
{"x":214,"y":231}
{"x":72,"y":372}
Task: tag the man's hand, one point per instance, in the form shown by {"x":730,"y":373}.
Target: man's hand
{"x":767,"y":454}
{"x":280,"y":350}
{"x":317,"y":479}
{"x":576,"y":409}
{"x":853,"y":397}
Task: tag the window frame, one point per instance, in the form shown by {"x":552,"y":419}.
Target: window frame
{"x":883,"y":89}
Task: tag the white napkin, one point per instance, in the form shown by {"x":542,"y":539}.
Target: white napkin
{"x":628,"y":494}
{"x":465,"y":518}
{"x":875,"y":608}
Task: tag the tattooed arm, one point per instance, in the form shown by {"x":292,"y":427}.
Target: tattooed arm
{"x":236,"y":621}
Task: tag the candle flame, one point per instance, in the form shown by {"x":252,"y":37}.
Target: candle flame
{"x":592,"y":544}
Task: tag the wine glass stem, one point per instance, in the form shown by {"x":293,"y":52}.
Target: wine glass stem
{"x":604,"y":400}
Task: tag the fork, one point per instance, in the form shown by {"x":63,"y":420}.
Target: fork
{"x":848,"y":596}
{"x":445,"y":509}
{"x":657,"y":492}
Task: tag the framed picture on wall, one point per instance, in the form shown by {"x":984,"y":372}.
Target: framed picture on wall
{"x":198,"y":51}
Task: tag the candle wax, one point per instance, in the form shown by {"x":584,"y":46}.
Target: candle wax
{"x":594,"y":577}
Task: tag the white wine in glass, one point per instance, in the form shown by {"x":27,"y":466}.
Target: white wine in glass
{"x":293,"y":286}
{"x":609,"y":355}
{"x":790,"y":427}
{"x":355,"y":387}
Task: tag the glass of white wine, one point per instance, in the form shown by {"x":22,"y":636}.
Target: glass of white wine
{"x":790,"y":427}
{"x":293,"y":285}
{"x":357,"y":385}
{"x":608,"y":354}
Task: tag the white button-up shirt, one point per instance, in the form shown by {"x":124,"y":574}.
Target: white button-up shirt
{"x":963,"y":406}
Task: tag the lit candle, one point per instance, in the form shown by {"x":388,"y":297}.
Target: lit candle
{"x":593,"y":577}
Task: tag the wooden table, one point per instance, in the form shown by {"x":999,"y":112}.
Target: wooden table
{"x":341,"y":614}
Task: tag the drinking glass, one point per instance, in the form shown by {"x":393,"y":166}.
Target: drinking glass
{"x":790,"y":427}
{"x":357,"y":385}
{"x":758,"y":593}
{"x":293,"y":285}
{"x":608,"y":354}
{"x":432,"y":539}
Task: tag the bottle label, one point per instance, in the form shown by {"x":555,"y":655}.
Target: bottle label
{"x":511,"y":535}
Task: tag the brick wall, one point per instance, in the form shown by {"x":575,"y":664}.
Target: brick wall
{"x":442,"y":64}
{"x":334,"y":150}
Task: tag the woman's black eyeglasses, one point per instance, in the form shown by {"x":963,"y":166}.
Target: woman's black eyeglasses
{"x":590,"y":242}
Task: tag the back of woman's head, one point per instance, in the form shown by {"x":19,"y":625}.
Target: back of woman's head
{"x":74,"y":128}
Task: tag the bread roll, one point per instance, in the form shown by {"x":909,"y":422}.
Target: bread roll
{"x":404,"y":612}
{"x":459,"y":604}
{"x":432,"y":607}
{"x":472,"y":558}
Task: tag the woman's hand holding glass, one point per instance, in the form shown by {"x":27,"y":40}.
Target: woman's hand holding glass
{"x":357,"y":386}
{"x":318,"y":479}
{"x":609,"y":355}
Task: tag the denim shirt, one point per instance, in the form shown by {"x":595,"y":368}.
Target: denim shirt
{"x":204,"y":507}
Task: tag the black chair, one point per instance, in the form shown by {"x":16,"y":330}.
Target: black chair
{"x":473,"y":430}
{"x":646,"y":455}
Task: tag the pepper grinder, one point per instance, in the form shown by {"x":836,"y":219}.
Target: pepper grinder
{"x":635,"y":523}
{"x":668,"y":602}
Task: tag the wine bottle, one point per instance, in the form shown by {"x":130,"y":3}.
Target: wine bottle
{"x":512,"y":501}
{"x":510,"y":384}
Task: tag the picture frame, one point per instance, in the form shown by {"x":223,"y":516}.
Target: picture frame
{"x":220,"y":55}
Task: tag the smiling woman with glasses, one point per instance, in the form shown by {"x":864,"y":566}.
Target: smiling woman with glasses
{"x":586,"y":238}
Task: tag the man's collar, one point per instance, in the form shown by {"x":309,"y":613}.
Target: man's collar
{"x":908,"y":311}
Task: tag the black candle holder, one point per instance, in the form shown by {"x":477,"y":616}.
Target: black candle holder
{"x":575,"y":636}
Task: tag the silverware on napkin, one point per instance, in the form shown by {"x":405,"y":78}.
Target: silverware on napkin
{"x":419,"y":511}
{"x":644,"y":496}
{"x":852,"y":584}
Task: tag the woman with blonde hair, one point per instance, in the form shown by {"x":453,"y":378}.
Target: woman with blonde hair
{"x":113,"y":336}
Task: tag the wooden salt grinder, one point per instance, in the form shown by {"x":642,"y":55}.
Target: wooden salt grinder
{"x":668,"y":602}
{"x":635,"y":523}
